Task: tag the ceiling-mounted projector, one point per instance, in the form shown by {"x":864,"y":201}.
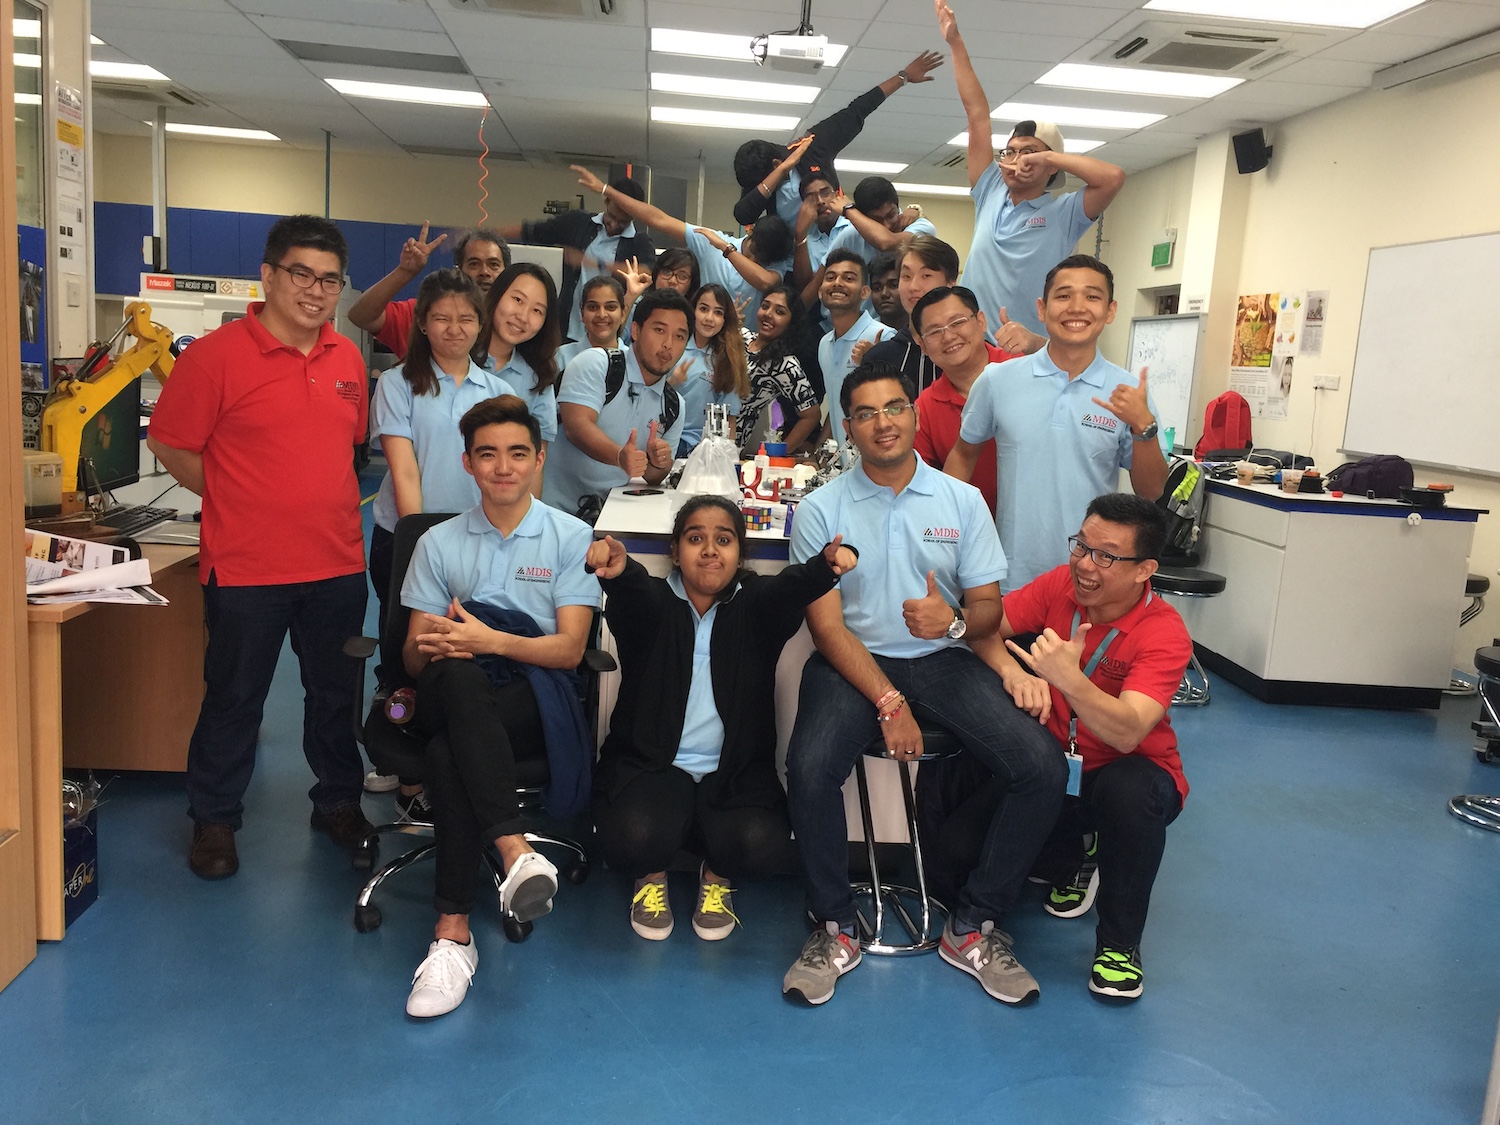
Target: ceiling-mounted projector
{"x":801,"y":53}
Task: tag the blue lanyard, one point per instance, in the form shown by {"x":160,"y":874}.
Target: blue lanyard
{"x":1089,"y":668}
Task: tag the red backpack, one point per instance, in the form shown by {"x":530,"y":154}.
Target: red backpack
{"x":1226,"y":427}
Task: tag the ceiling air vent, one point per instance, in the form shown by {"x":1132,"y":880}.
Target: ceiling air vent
{"x":466,"y":153}
{"x":1232,"y":49}
{"x":546,"y":9}
{"x":957,"y":160}
{"x":142,"y":93}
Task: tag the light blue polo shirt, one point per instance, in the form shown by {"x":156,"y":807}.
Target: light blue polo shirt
{"x":602,"y":250}
{"x":1016,"y":244}
{"x":714,"y":267}
{"x":430,"y":423}
{"x":937,"y":523}
{"x":787,"y":199}
{"x":1056,"y":449}
{"x":697,"y":391}
{"x":537,"y":568}
{"x":851,"y":239}
{"x":571,"y":473}
{"x":542,"y":403}
{"x":702,"y":740}
{"x":820,"y":245}
{"x":834,"y":357}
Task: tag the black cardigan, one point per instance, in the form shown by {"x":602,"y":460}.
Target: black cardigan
{"x":575,"y":230}
{"x":654,"y":632}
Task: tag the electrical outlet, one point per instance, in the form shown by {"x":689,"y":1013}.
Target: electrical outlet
{"x":1325,"y":382}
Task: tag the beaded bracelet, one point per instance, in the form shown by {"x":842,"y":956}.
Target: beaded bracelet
{"x":886,"y":699}
{"x":893,"y":712}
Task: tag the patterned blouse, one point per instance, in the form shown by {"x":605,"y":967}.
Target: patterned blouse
{"x":779,"y":380}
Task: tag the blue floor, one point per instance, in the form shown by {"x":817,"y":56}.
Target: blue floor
{"x":1316,"y":953}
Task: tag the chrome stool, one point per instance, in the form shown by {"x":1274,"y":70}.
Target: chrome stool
{"x":1476,"y":586}
{"x":1487,"y":726}
{"x":923,"y":936}
{"x":1480,"y":811}
{"x":1189,"y":582}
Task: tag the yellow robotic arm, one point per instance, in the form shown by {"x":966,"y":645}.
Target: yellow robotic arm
{"x":74,"y":402}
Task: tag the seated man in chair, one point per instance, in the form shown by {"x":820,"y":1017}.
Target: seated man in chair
{"x":518,"y":564}
{"x":891,"y":652}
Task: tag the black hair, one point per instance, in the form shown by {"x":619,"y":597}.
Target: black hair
{"x":874,"y":192}
{"x":601,"y":281}
{"x":697,"y":503}
{"x":539,"y":352}
{"x":887,"y":261}
{"x":941,"y":293}
{"x":770,"y":240}
{"x":311,"y":231}
{"x":480,"y":234}
{"x":843,"y":254}
{"x":755,"y":160}
{"x":1147,"y":520}
{"x":626,"y":186}
{"x":418,"y":368}
{"x":674,"y":258}
{"x":497,"y":411}
{"x":786,"y":343}
{"x":654,"y":300}
{"x":873,"y":373}
{"x":827,"y":174}
{"x":933,"y":253}
{"x":1080,"y":262}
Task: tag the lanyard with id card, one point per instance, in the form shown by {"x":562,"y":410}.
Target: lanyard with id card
{"x":1075,"y":759}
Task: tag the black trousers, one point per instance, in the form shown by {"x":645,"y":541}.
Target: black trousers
{"x":657,"y":814}
{"x":382,"y":552}
{"x":472,"y":729}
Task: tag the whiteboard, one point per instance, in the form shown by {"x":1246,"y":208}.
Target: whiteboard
{"x":1169,"y":346}
{"x":1426,"y":380}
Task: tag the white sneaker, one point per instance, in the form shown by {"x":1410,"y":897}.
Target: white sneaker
{"x":442,"y":980}
{"x":527,"y":890}
{"x":377,"y":782}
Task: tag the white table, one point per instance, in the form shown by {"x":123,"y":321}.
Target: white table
{"x":1344,"y":601}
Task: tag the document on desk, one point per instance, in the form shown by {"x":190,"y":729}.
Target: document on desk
{"x":54,"y":556}
{"x":127,"y":582}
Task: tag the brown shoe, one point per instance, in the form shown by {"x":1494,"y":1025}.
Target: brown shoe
{"x":212,"y":855}
{"x":346,"y":824}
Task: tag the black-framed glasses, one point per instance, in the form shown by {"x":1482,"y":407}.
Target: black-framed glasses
{"x":931,"y":334}
{"x":865,"y":415}
{"x":1011,"y":155}
{"x":304,"y":278}
{"x":1102,"y":559}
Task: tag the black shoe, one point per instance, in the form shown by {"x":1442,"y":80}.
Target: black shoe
{"x":212,"y":855}
{"x":346,"y":825}
{"x":413,"y":809}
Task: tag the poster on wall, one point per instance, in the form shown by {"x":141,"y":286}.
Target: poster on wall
{"x":1314,"y":310}
{"x":1250,"y":350}
{"x":1283,"y":353}
{"x":32,"y":244}
{"x":69,"y":216}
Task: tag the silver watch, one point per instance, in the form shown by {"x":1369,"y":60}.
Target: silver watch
{"x":959,"y":626}
{"x":1147,"y":434}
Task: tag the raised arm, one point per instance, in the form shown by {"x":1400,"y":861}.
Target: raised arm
{"x":1101,"y":181}
{"x":755,"y":202}
{"x":369,"y":311}
{"x":751,"y":270}
{"x":970,"y":93}
{"x":639,"y":210}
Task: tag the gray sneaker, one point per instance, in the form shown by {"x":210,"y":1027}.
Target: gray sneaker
{"x":650,"y":912}
{"x":714,"y":918}
{"x":986,"y":956}
{"x":827,"y":956}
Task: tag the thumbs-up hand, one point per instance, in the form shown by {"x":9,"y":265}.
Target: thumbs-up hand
{"x":631,"y":459}
{"x":605,"y":558}
{"x":658,"y":452}
{"x":1016,"y":338}
{"x":1053,"y":659}
{"x":857,"y":353}
{"x":1129,"y":404}
{"x":929,"y":616}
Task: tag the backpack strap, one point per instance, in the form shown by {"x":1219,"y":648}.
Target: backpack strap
{"x":614,"y":379}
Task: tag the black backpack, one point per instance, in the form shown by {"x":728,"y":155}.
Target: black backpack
{"x":1383,"y":476}
{"x":614,"y":379}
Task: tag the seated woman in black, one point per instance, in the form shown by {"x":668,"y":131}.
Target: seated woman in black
{"x":690,"y":760}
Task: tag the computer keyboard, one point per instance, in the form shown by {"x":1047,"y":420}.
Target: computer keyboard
{"x":135,"y":517}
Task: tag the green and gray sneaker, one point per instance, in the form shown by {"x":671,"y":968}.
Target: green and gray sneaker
{"x":828,"y":955}
{"x":1117,"y":974}
{"x":650,"y":912}
{"x":1073,"y":899}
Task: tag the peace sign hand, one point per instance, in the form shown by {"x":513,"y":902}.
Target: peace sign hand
{"x":416,"y":251}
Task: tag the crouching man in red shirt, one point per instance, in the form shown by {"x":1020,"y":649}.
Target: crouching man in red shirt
{"x":1102,"y":674}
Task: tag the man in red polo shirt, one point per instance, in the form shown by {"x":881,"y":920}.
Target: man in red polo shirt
{"x":260,"y":418}
{"x":1108,"y":659}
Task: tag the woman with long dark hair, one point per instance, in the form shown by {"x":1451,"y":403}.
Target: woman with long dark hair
{"x":776,"y":375}
{"x":521,"y":338}
{"x":717,"y":369}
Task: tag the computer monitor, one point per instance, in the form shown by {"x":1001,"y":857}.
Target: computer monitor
{"x":111,"y":442}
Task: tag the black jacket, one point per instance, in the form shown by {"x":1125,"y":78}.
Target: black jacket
{"x":575,"y":230}
{"x":901,"y":351}
{"x":653,"y":629}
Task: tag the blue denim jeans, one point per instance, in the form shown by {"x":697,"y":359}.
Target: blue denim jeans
{"x":246,"y":627}
{"x":954,"y":689}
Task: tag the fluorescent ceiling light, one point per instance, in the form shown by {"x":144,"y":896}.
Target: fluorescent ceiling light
{"x":1074,"y":115}
{"x":28,"y":99}
{"x":930,"y":189}
{"x":133,"y":72}
{"x":28,"y":62}
{"x":712,"y":45}
{"x":1075,"y":145}
{"x":717,"y":119}
{"x":1127,"y":80}
{"x":739,"y":89}
{"x":1320,"y":13}
{"x":873,"y":167}
{"x":221,"y":131}
{"x":413,"y":95}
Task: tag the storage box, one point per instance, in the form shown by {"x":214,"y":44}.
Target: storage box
{"x":80,"y":865}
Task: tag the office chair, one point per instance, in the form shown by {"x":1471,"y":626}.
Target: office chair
{"x":394,"y":749}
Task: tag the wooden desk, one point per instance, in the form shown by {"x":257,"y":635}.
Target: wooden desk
{"x":112,"y":687}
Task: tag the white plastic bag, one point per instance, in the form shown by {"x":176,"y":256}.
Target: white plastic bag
{"x":710,"y":468}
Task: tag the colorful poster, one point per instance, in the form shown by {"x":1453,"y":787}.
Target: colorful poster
{"x":1250,"y":350}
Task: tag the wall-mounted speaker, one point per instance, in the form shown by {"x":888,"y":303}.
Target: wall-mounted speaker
{"x":1251,"y":153}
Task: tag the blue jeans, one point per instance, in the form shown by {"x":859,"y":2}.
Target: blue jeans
{"x":246,"y":626}
{"x":954,"y":689}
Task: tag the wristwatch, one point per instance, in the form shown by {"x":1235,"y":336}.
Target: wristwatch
{"x":917,"y":207}
{"x":1147,"y":434}
{"x":901,"y":74}
{"x":959,"y":626}
{"x":728,"y":249}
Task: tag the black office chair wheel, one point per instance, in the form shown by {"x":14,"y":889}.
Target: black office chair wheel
{"x":1485,"y":754}
{"x":576,"y":873}
{"x":363,"y":857}
{"x":367,"y":918}
{"x":516,"y":931}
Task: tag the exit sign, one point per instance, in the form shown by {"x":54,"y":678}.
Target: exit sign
{"x":1161,"y":254}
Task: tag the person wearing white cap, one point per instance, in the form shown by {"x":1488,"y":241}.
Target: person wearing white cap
{"x":1020,"y":230}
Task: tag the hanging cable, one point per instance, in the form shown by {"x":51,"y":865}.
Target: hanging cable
{"x":484,"y":172}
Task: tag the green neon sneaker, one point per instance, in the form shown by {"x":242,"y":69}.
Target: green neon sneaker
{"x":1073,"y":899}
{"x":1117,"y":974}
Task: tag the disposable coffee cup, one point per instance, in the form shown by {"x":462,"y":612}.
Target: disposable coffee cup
{"x":1244,"y":472}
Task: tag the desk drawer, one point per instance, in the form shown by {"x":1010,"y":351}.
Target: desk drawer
{"x":1241,"y":517}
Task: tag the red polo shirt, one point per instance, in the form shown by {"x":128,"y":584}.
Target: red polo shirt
{"x":277,"y":431}
{"x":939,"y":409}
{"x":1149,"y":656}
{"x":395,"y":333}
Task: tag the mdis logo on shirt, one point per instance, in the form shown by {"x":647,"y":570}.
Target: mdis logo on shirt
{"x":541,"y":574}
{"x":1037,"y":221}
{"x":949,"y":535}
{"x":347,"y":389}
{"x":1098,"y":421}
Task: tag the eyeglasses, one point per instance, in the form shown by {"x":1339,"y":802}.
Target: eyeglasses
{"x":1102,"y":559}
{"x":304,"y":278}
{"x":865,"y":415}
{"x":952,"y":326}
{"x":821,"y":194}
{"x":675,"y":275}
{"x":1011,"y":155}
